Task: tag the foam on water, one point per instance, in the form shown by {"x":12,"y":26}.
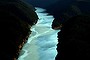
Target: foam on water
{"x":42,"y":42}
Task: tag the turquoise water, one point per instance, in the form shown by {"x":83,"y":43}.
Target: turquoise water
{"x":42,"y":42}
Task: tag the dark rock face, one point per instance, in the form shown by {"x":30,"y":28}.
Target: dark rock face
{"x":64,"y":7}
{"x":16,"y":19}
{"x":56,"y":24}
{"x":74,"y":39}
{"x":63,"y":11}
{"x":20,"y":9}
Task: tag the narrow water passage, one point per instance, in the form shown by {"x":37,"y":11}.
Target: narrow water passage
{"x":42,"y":42}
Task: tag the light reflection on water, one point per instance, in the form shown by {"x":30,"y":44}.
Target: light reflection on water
{"x":43,"y":41}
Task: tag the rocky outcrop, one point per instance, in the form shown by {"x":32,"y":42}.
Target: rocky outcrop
{"x":70,"y":9}
{"x":74,"y":39}
{"x":16,"y":19}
